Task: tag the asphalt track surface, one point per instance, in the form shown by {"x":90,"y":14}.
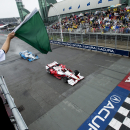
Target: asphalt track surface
{"x":37,"y":91}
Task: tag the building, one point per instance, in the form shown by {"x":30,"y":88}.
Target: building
{"x":22,"y":11}
{"x":67,"y":7}
{"x":44,"y":8}
{"x":13,"y":20}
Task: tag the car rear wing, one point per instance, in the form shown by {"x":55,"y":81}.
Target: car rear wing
{"x":17,"y":118}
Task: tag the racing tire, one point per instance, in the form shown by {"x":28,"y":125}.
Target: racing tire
{"x":48,"y":70}
{"x":21,"y":57}
{"x":27,"y":59}
{"x":76,"y":72}
{"x":65,"y":79}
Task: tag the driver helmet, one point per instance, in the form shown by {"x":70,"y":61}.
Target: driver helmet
{"x":62,"y":67}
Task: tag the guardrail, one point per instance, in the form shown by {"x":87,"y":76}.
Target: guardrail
{"x":20,"y":124}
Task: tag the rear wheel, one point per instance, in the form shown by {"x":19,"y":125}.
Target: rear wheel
{"x":48,"y":70}
{"x":27,"y":59}
{"x":65,"y":79}
{"x":76,"y":72}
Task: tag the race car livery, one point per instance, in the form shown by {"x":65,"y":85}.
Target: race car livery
{"x":61,"y":72}
{"x":28,"y":56}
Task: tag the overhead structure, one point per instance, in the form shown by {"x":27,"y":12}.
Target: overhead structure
{"x":22,"y":11}
{"x":44,"y":8}
{"x":68,"y":7}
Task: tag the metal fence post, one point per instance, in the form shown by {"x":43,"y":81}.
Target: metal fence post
{"x":70,"y":37}
{"x":89,"y":39}
{"x":82,"y":37}
{"x":115,"y":41}
{"x":75,"y":38}
{"x":56,"y":36}
{"x":60,"y":36}
{"x":96,"y":39}
{"x":127,"y":43}
{"x":52,"y":36}
{"x":105,"y":40}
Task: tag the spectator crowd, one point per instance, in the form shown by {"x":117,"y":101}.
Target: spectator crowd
{"x":114,"y":19}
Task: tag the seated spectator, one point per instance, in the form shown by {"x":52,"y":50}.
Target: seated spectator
{"x":115,"y":19}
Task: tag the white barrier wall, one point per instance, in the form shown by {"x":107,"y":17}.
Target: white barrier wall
{"x":69,"y":6}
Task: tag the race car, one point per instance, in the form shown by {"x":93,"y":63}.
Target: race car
{"x":28,"y":56}
{"x":61,"y":72}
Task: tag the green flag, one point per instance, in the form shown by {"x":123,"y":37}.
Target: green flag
{"x":33,"y":32}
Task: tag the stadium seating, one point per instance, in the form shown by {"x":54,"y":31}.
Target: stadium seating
{"x":113,"y":20}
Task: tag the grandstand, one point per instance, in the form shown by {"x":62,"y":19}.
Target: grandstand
{"x":67,"y":7}
{"x":115,"y":19}
{"x":9,"y":20}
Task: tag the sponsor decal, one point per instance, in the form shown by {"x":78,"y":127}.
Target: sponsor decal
{"x":92,"y":47}
{"x":70,"y":7}
{"x":128,"y":80}
{"x":79,"y":45}
{"x":55,"y":42}
{"x":115,"y":99}
{"x":68,"y":44}
{"x":96,"y":48}
{"x":108,"y":50}
{"x":88,"y":4}
{"x":101,"y":117}
{"x":51,"y":41}
{"x":86,"y":46}
{"x":106,"y":109}
{"x":100,"y":1}
{"x":73,"y":44}
{"x":65,"y":43}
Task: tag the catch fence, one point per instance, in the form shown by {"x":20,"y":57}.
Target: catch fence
{"x":114,"y":41}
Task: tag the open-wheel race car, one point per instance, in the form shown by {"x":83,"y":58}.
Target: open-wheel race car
{"x":28,"y":56}
{"x":61,"y":72}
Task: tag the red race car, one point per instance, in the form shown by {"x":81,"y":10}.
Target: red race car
{"x":60,"y":71}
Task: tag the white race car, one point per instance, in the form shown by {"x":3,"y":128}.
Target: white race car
{"x":28,"y":56}
{"x":60,"y":71}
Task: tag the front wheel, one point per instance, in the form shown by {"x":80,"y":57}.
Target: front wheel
{"x":65,"y":79}
{"x":48,"y":70}
{"x":76,"y":72}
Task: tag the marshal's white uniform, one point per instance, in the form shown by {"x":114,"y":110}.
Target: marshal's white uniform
{"x":2,"y":55}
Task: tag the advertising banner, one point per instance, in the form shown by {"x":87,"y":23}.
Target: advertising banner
{"x":103,"y":117}
{"x":94,"y":48}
